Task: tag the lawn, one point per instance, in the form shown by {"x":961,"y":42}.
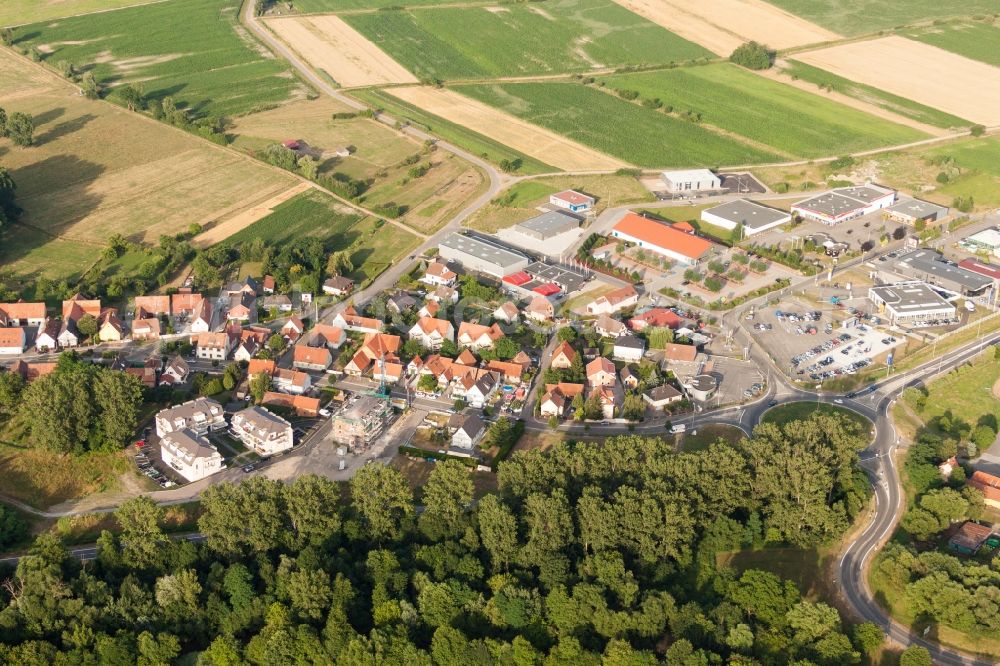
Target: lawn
{"x":872,"y":95}
{"x":710,"y":434}
{"x":521,"y":39}
{"x":978,"y":41}
{"x":43,"y":478}
{"x":979,"y":161}
{"x":771,"y":113}
{"x":193,"y":50}
{"x":868,"y":16}
{"x":965,"y":393}
{"x":799,"y":411}
{"x":19,"y":12}
{"x":805,"y":568}
{"x":628,"y":131}
{"x":464,"y":138}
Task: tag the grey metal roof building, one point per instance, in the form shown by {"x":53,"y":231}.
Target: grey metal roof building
{"x":910,"y":303}
{"x":931,"y":267}
{"x":912,"y":210}
{"x":753,"y":216}
{"x":480,"y":255}
{"x":845,"y":203}
{"x":548,"y":225}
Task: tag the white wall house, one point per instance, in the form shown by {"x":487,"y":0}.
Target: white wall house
{"x":190,"y":455}
{"x":262,"y":431}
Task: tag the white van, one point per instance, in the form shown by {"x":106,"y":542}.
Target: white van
{"x":970,"y":306}
{"x":680,"y":427}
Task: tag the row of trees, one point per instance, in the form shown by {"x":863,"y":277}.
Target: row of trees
{"x":586,"y":556}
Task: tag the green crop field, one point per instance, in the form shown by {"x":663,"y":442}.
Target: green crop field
{"x":771,"y":113}
{"x":861,"y":17}
{"x":979,"y":41}
{"x":979,"y":162}
{"x":637,"y":134}
{"x":521,"y":39}
{"x":900,"y":105}
{"x":192,"y":50}
{"x":19,"y":12}
{"x":332,"y":6}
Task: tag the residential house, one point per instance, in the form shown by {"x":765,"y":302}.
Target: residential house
{"x":558,"y":397}
{"x":249,"y":286}
{"x":302,"y":404}
{"x":190,"y":455}
{"x":476,"y":336}
{"x":146,"y":330}
{"x":969,"y":538}
{"x":291,"y":381}
{"x":438,"y":367}
{"x":606,"y":396}
{"x":185,"y":303}
{"x":267,"y":284}
{"x":213,"y":346}
{"x":659,"y":317}
{"x":12,"y":340}
{"x":439,"y":274}
{"x":305,"y":357}
{"x":429,"y":309}
{"x":540,"y":309}
{"x":509,"y":372}
{"x":563,"y":357}
{"x":431,"y":333}
{"x":260,"y":365}
{"x":444,"y":295}
{"x":350,"y":320}
{"x":989,"y":485}
{"x":601,"y":372}
{"x":293,"y":329}
{"x":609,"y":327}
{"x":109,"y":327}
{"x":68,"y":335}
{"x":278,"y":302}
{"x":246,"y":350}
{"x":263,"y":432}
{"x":673,"y":351}
{"x":468,"y":435}
{"x":630,"y":379}
{"x":480,"y":392}
{"x":661,"y":396}
{"x":376,"y":348}
{"x":22,"y":314}
{"x":242,"y":307}
{"x":201,"y":415}
{"x":507,"y":312}
{"x":388,"y":372}
{"x":176,"y":372}
{"x":47,"y":338}
{"x":153,"y":306}
{"x":338,"y":285}
{"x":400,"y":302}
{"x":467,"y":358}
{"x":78,"y":306}
{"x":146,"y":375}
{"x":202,"y":317}
{"x":629,"y":348}
{"x":613,"y":301}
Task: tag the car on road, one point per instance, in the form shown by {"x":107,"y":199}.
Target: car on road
{"x":249,"y":468}
{"x":838,"y":401}
{"x":772,"y":403}
{"x":324,"y":412}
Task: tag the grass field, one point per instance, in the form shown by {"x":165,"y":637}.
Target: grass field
{"x":636,"y":134}
{"x":979,"y":162}
{"x":979,"y":41}
{"x":710,"y":434}
{"x":803,"y":567}
{"x":87,"y":178}
{"x":872,"y":95}
{"x":43,"y":478}
{"x":19,"y":12}
{"x":462,"y":137}
{"x":768,"y":112}
{"x":521,"y":39}
{"x":867,"y":16}
{"x":193,"y":50}
{"x":798,"y":411}
{"x":965,"y":393}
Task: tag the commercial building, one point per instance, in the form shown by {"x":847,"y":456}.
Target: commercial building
{"x":262,"y":431}
{"x":190,"y":455}
{"x":572,"y":200}
{"x":982,"y":268}
{"x":910,"y":303}
{"x":547,"y":225}
{"x":931,"y":267}
{"x":477,"y":254}
{"x":910,"y":211}
{"x":360,"y":422}
{"x":702,"y":387}
{"x":200,"y":415}
{"x":752,"y":216}
{"x":662,"y":239}
{"x":845,"y":203}
{"x":987,"y":240}
{"x":691,"y":180}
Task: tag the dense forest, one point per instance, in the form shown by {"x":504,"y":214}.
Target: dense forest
{"x":586,"y":555}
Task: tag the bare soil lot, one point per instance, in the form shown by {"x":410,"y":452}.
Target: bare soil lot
{"x":722,"y":25}
{"x":338,"y":50}
{"x":523,"y":136}
{"x":926,"y":74}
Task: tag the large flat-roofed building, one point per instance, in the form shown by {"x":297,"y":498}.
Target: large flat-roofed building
{"x":845,"y":203}
{"x":982,"y":268}
{"x":690,"y":180}
{"x":190,"y":454}
{"x":262,"y":431}
{"x":910,"y":303}
{"x":661,"y":238}
{"x":200,"y":415}
{"x":477,"y":254}
{"x":931,"y":267}
{"x":753,"y":216}
{"x":909,"y":211}
{"x":361,"y":421}
{"x":547,"y":225}
{"x":987,"y":240}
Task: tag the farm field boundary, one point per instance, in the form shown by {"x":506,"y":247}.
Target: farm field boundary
{"x":917,"y":71}
{"x":979,"y":41}
{"x":522,"y":136}
{"x":226,"y":228}
{"x":333,"y":47}
{"x":861,"y":17}
{"x":722,"y":25}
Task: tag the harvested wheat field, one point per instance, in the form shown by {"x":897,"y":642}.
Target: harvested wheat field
{"x":344,"y":54}
{"x":926,"y":74}
{"x":243,"y":219}
{"x":722,"y":25}
{"x":522,"y":136}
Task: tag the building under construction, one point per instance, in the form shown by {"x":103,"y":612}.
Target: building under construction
{"x":361,"y":421}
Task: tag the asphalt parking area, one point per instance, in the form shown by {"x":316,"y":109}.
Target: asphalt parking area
{"x":736,"y":377}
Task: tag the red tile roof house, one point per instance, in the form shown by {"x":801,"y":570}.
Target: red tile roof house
{"x":267,"y":284}
{"x":311,"y":358}
{"x":152,"y":305}
{"x":558,"y":397}
{"x":677,"y":352}
{"x":439,"y":274}
{"x":431,"y":333}
{"x":619,"y":299}
{"x":659,"y":317}
{"x":601,"y":372}
{"x":291,"y":381}
{"x":350,"y":320}
{"x":562,"y":357}
{"x":12,"y":340}
{"x":477,"y":336}
{"x":31,"y":371}
{"x":22,"y":314}
{"x":989,"y":485}
{"x":662,"y":239}
{"x":145,"y":329}
{"x":293,"y":328}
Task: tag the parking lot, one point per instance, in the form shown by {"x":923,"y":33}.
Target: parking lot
{"x":738,"y":380}
{"x":818,"y":345}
